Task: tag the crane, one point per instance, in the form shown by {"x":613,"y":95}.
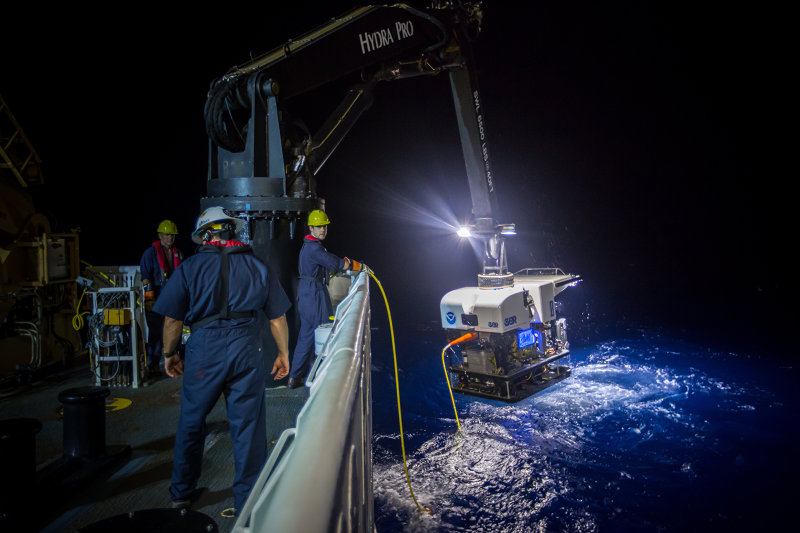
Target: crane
{"x":263,"y":159}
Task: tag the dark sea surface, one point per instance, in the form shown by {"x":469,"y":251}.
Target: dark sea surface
{"x":650,"y":433}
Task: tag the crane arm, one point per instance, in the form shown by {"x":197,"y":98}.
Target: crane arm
{"x":263,"y":160}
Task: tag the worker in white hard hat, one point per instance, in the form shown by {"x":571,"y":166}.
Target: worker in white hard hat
{"x":221,"y":292}
{"x":313,"y":299}
{"x":157,"y":264}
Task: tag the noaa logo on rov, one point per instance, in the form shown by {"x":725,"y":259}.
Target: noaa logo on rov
{"x":450,"y":317}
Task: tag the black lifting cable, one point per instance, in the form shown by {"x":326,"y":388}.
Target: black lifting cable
{"x":220,"y":125}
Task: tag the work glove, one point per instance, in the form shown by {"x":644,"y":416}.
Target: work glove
{"x":355,"y":266}
{"x":361,"y":267}
{"x":149,"y":297}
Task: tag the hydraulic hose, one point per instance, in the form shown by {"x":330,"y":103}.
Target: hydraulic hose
{"x":77,"y":320}
{"x":468,"y":337}
{"x":397,"y":388}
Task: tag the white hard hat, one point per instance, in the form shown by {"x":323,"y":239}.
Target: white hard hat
{"x":211,"y":216}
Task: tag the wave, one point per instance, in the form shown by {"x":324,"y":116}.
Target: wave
{"x":641,"y":424}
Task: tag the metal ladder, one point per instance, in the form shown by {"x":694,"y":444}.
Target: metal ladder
{"x":17,"y":154}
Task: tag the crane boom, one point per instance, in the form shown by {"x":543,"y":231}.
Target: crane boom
{"x":259,"y":159}
{"x":263,"y":160}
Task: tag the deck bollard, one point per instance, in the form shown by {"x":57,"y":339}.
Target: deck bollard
{"x":84,"y":421}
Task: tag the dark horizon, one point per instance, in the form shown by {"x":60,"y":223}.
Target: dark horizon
{"x":632,"y":144}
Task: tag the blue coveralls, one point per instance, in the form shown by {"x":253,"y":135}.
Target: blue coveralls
{"x":150,"y":268}
{"x":222,"y":357}
{"x":313,"y":300}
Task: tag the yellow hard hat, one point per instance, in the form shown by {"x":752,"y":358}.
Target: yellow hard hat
{"x":318,"y":218}
{"x":168,"y":227}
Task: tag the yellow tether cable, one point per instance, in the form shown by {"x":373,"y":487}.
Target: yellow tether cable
{"x":468,"y":337}
{"x":447,"y":377}
{"x":397,"y":387}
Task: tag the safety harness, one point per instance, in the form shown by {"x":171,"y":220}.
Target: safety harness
{"x":224,"y":275}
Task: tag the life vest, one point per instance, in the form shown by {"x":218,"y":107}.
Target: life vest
{"x":162,"y":260}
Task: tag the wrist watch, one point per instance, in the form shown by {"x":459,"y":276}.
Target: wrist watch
{"x":169,"y":354}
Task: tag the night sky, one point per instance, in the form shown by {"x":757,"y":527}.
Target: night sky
{"x":637,"y":144}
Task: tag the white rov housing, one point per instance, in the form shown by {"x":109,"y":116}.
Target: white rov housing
{"x":531,"y":298}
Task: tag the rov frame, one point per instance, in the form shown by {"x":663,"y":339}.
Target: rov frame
{"x":510,"y":388}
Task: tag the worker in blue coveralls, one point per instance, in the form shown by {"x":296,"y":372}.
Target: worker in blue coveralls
{"x":157,"y":264}
{"x":220,"y":292}
{"x":313,"y":299}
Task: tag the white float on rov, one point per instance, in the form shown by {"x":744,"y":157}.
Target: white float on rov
{"x":520,"y":342}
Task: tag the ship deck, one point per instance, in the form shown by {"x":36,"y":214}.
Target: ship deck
{"x":134,"y":473}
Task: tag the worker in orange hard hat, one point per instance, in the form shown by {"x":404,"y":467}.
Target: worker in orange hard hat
{"x":313,"y":299}
{"x":157,"y":264}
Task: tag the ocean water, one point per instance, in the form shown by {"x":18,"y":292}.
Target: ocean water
{"x":650,"y":433}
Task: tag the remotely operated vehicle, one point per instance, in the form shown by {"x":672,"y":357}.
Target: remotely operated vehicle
{"x":263,"y":160}
{"x":521,"y":345}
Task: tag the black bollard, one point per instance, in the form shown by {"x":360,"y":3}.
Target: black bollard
{"x":84,"y":421}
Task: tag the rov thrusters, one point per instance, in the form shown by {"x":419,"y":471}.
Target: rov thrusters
{"x":521,"y":346}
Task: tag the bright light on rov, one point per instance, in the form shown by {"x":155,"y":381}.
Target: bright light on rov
{"x":464,"y":231}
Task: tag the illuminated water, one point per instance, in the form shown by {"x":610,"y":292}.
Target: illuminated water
{"x":649,"y":434}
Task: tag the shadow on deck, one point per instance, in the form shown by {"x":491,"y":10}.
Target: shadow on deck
{"x":134,"y":474}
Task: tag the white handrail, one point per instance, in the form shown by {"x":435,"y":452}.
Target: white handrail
{"x":322,"y":480}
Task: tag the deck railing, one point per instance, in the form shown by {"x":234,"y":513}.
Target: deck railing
{"x":319,"y":475}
